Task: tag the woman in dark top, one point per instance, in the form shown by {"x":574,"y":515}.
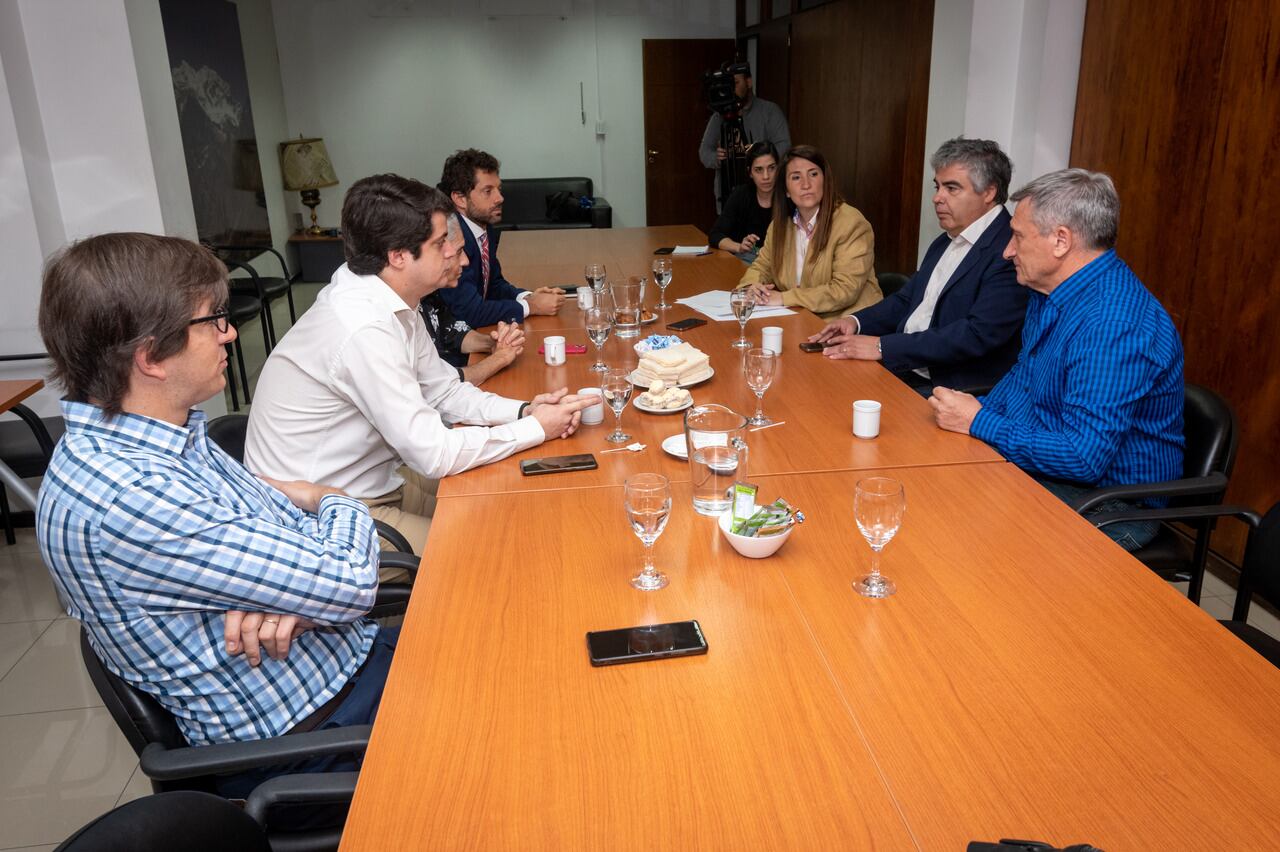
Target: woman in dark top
{"x":749,"y":208}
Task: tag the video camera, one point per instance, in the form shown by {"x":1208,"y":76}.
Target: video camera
{"x":718,"y":87}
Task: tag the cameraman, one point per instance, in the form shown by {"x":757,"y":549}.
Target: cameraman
{"x":762,"y":121}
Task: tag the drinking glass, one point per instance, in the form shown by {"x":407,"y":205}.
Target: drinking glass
{"x":878,"y":506}
{"x":715,"y":438}
{"x":648,"y":503}
{"x":626,"y":306}
{"x":759,"y":367}
{"x":742,"y":303}
{"x":616,"y":388}
{"x":662,"y":277}
{"x":599,"y":324}
{"x":594,"y":273}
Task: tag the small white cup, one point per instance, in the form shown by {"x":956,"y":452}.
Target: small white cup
{"x":771,"y":338}
{"x":553,"y":350}
{"x":866,"y":418}
{"x":593,"y":415}
{"x":586,"y":298}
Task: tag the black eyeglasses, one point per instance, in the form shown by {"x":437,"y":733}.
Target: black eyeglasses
{"x":220,"y":319}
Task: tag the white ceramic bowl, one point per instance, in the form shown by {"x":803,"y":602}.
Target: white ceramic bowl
{"x":751,"y":547}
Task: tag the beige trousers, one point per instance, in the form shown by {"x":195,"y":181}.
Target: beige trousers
{"x":409,"y":509}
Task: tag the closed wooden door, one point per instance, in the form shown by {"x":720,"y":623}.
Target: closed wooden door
{"x":678,"y":188}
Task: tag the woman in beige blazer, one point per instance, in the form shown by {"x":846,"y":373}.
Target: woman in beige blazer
{"x":834,"y":273}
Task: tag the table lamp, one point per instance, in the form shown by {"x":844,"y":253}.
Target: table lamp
{"x":305,"y":165}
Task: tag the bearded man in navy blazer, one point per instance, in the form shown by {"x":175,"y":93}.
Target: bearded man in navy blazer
{"x":483,"y":297}
{"x":958,"y":321}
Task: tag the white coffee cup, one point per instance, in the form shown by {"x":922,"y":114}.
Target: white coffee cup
{"x":586,"y":298}
{"x":771,"y":338}
{"x":866,"y":418}
{"x":592,"y":415}
{"x":553,"y":350}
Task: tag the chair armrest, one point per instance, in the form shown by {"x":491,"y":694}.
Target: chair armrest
{"x":601,"y":213}
{"x":396,"y":559}
{"x":37,"y":427}
{"x":165,"y":764}
{"x":303,"y":788}
{"x":977,"y":390}
{"x":393,"y":536}
{"x":258,"y":248}
{"x":28,"y":356}
{"x":1178,"y":513}
{"x":1214,"y":483}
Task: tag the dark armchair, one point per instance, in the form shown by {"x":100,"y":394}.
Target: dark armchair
{"x":537,"y":204}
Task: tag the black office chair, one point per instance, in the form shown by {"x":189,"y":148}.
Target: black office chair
{"x":1209,"y":425}
{"x":241,"y":307}
{"x":265,"y":287}
{"x":187,"y":820}
{"x":171,"y":764}
{"x":891,"y":282}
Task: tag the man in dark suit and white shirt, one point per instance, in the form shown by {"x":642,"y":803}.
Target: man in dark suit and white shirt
{"x":483,"y":297}
{"x":958,"y":321}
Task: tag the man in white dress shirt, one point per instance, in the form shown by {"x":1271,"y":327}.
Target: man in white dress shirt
{"x":958,"y":321}
{"x":356,"y":396}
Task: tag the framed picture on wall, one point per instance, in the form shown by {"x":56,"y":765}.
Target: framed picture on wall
{"x":211,"y":90}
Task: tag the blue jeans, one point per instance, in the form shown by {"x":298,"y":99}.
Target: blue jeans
{"x":1131,"y":535}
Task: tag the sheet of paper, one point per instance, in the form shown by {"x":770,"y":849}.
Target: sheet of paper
{"x":715,"y":304}
{"x":692,"y":250}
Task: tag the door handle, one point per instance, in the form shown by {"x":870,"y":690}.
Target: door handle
{"x":653,"y":153}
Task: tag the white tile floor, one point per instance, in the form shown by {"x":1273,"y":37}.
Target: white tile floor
{"x":63,"y":761}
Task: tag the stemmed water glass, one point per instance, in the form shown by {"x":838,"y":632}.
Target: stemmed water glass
{"x":878,"y":506}
{"x":599,"y":325}
{"x":648,"y":502}
{"x":743,"y":304}
{"x":662,"y":277}
{"x":759,"y":367}
{"x":594,"y":273}
{"x":616,"y":388}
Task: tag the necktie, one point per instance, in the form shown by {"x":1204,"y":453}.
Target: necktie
{"x":484,"y":263}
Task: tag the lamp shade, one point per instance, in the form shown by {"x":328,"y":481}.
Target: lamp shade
{"x":304,"y":164}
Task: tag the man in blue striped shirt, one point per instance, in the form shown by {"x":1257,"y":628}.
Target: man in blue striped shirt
{"x":182,"y":566}
{"x":1096,"y":396}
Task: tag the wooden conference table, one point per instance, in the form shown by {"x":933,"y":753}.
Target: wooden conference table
{"x":1029,"y":679}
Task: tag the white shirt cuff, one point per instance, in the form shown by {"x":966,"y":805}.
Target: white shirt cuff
{"x":523,"y":298}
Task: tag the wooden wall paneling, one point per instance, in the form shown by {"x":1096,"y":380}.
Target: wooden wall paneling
{"x":1231,"y":327}
{"x":1184,"y":119}
{"x":1146,"y":105}
{"x":896,"y":47}
{"x":772,"y":78}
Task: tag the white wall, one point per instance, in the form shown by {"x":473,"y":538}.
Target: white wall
{"x":1004,"y":70}
{"x":397,"y":85}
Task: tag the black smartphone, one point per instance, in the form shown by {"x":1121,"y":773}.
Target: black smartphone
{"x":686,"y":324}
{"x":648,"y":642}
{"x":558,"y":464}
{"x":569,"y":289}
{"x":664,"y":250}
{"x":806,"y":346}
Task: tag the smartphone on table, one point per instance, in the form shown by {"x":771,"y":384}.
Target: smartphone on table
{"x":647,"y":642}
{"x":558,"y":464}
{"x":686,"y":324}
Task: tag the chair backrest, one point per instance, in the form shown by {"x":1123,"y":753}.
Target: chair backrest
{"x":229,"y":432}
{"x":141,"y":718}
{"x":194,"y":822}
{"x":1209,"y":425}
{"x":1262,"y":558}
{"x":891,"y":282}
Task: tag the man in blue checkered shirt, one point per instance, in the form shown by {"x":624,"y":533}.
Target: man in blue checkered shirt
{"x":237,"y":603}
{"x":1096,"y":396}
